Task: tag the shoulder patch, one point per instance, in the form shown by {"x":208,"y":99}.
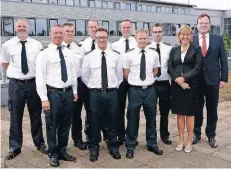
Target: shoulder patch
{"x":116,"y":51}
{"x":44,"y":48}
{"x":129,"y":50}
{"x":167,"y":43}
{"x":79,"y":45}
{"x":152,"y":48}
{"x":88,"y":52}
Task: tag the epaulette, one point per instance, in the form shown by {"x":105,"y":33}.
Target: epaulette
{"x":152,"y":48}
{"x":88,"y":52}
{"x":44,"y":48}
{"x":114,"y":41}
{"x":116,"y":51}
{"x":129,"y":50}
{"x":167,"y":43}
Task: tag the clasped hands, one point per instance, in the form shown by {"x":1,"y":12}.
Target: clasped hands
{"x":181,"y":81}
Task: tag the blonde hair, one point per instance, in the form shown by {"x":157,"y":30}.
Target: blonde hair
{"x":183,"y":29}
{"x":142,"y":30}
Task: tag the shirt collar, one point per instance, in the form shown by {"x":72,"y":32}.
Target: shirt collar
{"x":129,"y":39}
{"x":154,"y":44}
{"x":145,"y":49}
{"x":182,"y":49}
{"x":27,"y":39}
{"x":53,"y":46}
{"x":65,"y":44}
{"x":206,"y":36}
{"x":100,"y":51}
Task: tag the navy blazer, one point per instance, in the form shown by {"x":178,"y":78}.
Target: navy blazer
{"x":215,"y":63}
{"x":190,"y":68}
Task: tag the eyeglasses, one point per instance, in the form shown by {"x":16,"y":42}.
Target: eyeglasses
{"x":156,"y":32}
{"x":101,"y":37}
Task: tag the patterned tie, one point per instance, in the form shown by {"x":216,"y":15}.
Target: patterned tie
{"x":63,"y":65}
{"x":104,"y":72}
{"x":24,"y":65}
{"x":158,"y":51}
{"x":126,"y":45}
{"x":93,"y":45}
{"x":143,"y":66}
{"x":204,"y":46}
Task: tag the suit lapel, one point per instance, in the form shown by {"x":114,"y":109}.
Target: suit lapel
{"x":210,"y":43}
{"x":178,"y":53}
{"x":189,"y":53}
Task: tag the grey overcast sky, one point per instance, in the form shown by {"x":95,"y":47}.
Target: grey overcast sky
{"x":211,"y":4}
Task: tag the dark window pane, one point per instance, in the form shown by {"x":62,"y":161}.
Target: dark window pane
{"x":41,"y":27}
{"x":83,"y":3}
{"x":31,"y":27}
{"x":112,"y":28}
{"x":139,"y":8}
{"x":110,"y":5}
{"x":117,"y":5}
{"x":62,"y":2}
{"x":226,"y":21}
{"x":98,"y":4}
{"x":76,"y":2}
{"x":106,"y":24}
{"x":92,"y":3}
{"x":8,"y":26}
{"x":53,"y":1}
{"x":128,"y":7}
{"x":70,"y":2}
{"x":81,"y":27}
{"x":139,"y":25}
{"x":133,"y":7}
{"x":104,"y":4}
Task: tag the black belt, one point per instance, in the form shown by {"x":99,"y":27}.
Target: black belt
{"x":142,"y":87}
{"x":65,"y":89}
{"x":103,"y":90}
{"x":162,"y":82}
{"x":23,"y":81}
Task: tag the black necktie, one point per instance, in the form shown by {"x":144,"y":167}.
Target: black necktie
{"x":68,"y":46}
{"x":104,"y":71}
{"x":93,"y":45}
{"x":126,"y":45}
{"x":142,"y":66}
{"x":158,"y":51}
{"x":63,"y":65}
{"x":24,"y":65}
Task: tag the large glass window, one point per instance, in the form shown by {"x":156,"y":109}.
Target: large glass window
{"x":153,"y":8}
{"x":84,"y":3}
{"x":70,"y":2}
{"x":52,"y":22}
{"x":26,"y":0}
{"x":110,"y":5}
{"x":133,"y":7}
{"x":158,"y":9}
{"x":41,"y":27}
{"x":76,"y":2}
{"x":39,"y":1}
{"x":149,"y":8}
{"x":62,"y":2}
{"x":169,"y":29}
{"x":123,"y":5}
{"x":81,"y":27}
{"x":31,"y":27}
{"x":144,"y":8}
{"x":8,"y":26}
{"x":133,"y":28}
{"x":146,"y":26}
{"x":98,"y":4}
{"x":139,"y":25}
{"x":62,"y":21}
{"x":175,"y":10}
{"x":128,"y":7}
{"x":139,"y":7}
{"x":104,"y":4}
{"x":117,"y":5}
{"x":53,"y":1}
{"x":112,"y":28}
{"x":92,"y":3}
{"x":106,"y":25}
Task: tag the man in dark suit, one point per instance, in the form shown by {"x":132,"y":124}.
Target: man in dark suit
{"x":214,"y":74}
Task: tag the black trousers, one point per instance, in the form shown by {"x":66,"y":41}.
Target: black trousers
{"x":83,"y":99}
{"x":122,"y":95}
{"x":21,"y":92}
{"x":209,"y":95}
{"x":163,"y":93}
{"x":103,"y":111}
{"x":58,"y":121}
{"x":138,"y":97}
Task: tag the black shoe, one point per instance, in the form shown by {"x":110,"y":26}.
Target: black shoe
{"x":166,"y":141}
{"x":130,"y":154}
{"x":94,"y":156}
{"x":137,"y":143}
{"x":213,"y":142}
{"x":54,"y":162}
{"x":155,"y":150}
{"x":11,"y":155}
{"x":81,"y":145}
{"x":121,"y":141}
{"x":43,"y":149}
{"x":115,"y":154}
{"x":67,"y":157}
{"x":196,"y":139}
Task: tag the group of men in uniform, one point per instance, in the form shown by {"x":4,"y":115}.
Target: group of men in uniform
{"x":64,"y":76}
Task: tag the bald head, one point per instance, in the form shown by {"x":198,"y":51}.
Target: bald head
{"x":22,"y":28}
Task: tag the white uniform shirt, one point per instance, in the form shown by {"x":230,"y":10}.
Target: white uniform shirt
{"x":11,"y":53}
{"x":120,"y":44}
{"x":48,"y":70}
{"x":91,"y":69}
{"x":206,"y":39}
{"x":132,"y":62}
{"x":76,"y":50}
{"x":164,"y":54}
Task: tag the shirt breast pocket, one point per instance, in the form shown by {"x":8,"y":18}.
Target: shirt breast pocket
{"x":32,"y":55}
{"x":149,"y":65}
{"x":55,"y":63}
{"x":135,"y":66}
{"x":16,"y":58}
{"x":95,"y":67}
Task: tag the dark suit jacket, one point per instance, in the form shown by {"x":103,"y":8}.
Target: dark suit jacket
{"x":215,"y":63}
{"x":191,"y":66}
